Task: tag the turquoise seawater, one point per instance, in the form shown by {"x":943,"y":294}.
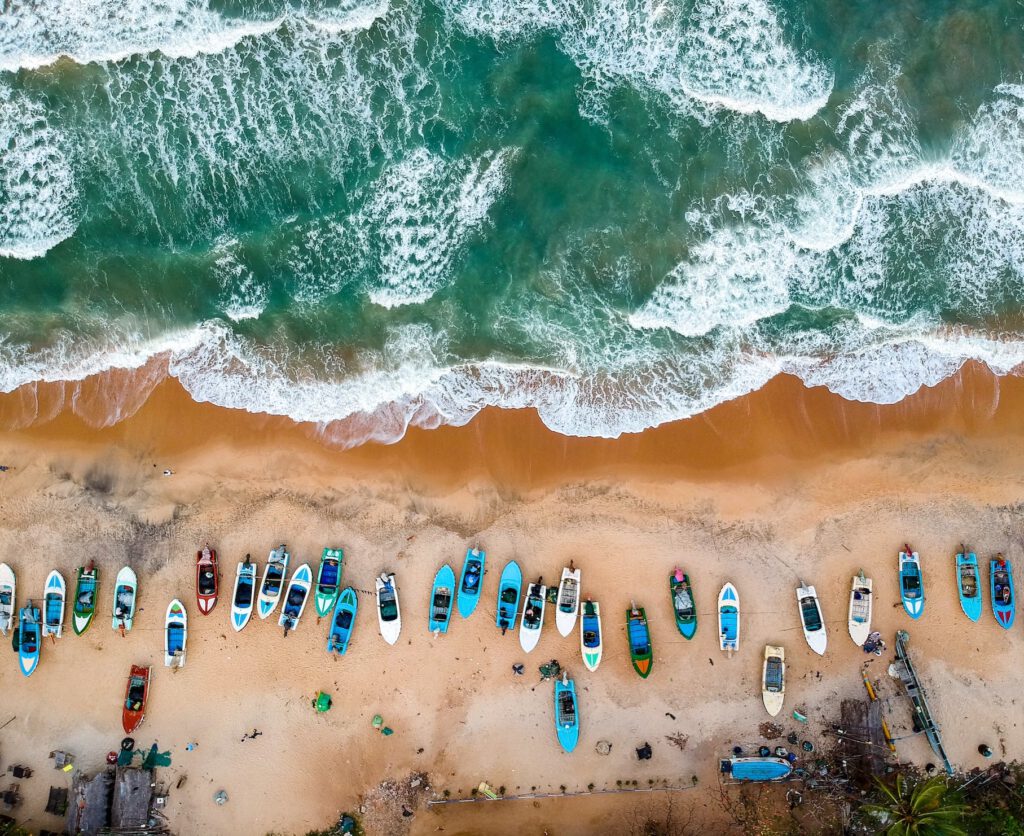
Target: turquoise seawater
{"x":616,"y":212}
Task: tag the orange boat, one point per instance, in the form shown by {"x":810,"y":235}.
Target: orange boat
{"x":206,"y":579}
{"x":135,"y":696}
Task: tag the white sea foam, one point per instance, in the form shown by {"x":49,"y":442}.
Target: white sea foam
{"x":242,"y":295}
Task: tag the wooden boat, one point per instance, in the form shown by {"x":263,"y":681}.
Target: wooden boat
{"x":1001,"y":581}
{"x":296,"y":597}
{"x":126,"y":590}
{"x":911,"y":582}
{"x":342,"y":622}
{"x":773,"y":679}
{"x":757,"y":769}
{"x":640,"y":651}
{"x":389,"y":614}
{"x":567,"y":715}
{"x":29,"y":638}
{"x":591,"y":639}
{"x":273,"y":581}
{"x":175,"y":634}
{"x":442,"y":597}
{"x":682,"y":603}
{"x":244,"y":595}
{"x":7,"y":598}
{"x":509,"y":588}
{"x":207,"y":576}
{"x":54,"y":595}
{"x":729,"y":618}
{"x":471,"y":582}
{"x":85,"y":598}
{"x":567,"y":604}
{"x":968,"y":583}
{"x":532,"y":622}
{"x":811,"y":619}
{"x":135,"y":696}
{"x":328,"y":581}
{"x":861,"y":598}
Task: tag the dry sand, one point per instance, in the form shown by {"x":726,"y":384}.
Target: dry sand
{"x":785,"y":484}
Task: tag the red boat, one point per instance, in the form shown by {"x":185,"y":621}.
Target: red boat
{"x":135,"y":699}
{"x":206,"y":579}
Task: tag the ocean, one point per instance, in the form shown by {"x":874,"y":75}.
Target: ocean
{"x":618,"y":213}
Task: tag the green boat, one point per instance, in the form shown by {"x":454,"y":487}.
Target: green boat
{"x":85,"y":598}
{"x":682,"y":603}
{"x":328,"y":581}
{"x":640,"y":650}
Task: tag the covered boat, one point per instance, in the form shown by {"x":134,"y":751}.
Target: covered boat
{"x":442,"y":598}
{"x":968,"y":583}
{"x":773,"y":679}
{"x":29,"y":638}
{"x":532,"y":622}
{"x":1001,"y":581}
{"x":911,"y":582}
{"x":811,"y":619}
{"x":136,"y":693}
{"x":567,"y":603}
{"x":126,"y":590}
{"x":244,"y":596}
{"x":295,"y":598}
{"x":567,"y":715}
{"x":7,"y":597}
{"x":273,"y":581}
{"x":328,"y":581}
{"x":859,"y":617}
{"x":756,"y":768}
{"x":641,"y":653}
{"x":206,"y":579}
{"x":471,"y":582}
{"x":175,"y":634}
{"x":591,"y":640}
{"x":342,"y":622}
{"x":682,"y":603}
{"x":729,"y":619}
{"x":389,"y":615}
{"x":54,"y":594}
{"x":509,"y":588}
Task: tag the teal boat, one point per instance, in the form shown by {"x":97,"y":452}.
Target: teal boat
{"x":968,"y":583}
{"x":328,"y":581}
{"x":911,"y":582}
{"x":567,"y":715}
{"x":29,"y":638}
{"x":509,"y":589}
{"x":471,"y":582}
{"x":343,"y":622}
{"x":682,"y":603}
{"x":441,"y":596}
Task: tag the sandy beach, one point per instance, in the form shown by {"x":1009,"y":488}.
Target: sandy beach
{"x":787,"y":483}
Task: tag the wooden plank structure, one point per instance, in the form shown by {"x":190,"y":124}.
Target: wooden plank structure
{"x":113,"y":802}
{"x":862,"y":745}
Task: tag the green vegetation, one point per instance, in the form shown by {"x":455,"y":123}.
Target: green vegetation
{"x":927,"y":808}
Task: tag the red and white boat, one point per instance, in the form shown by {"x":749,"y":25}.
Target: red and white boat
{"x":207,"y":576}
{"x":135,"y":696}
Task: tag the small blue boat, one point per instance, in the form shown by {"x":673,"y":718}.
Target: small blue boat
{"x":29,"y":638}
{"x":567,"y":715}
{"x":968,"y":583}
{"x":471,"y":582}
{"x":756,"y":768}
{"x":343,"y":621}
{"x":509,"y":588}
{"x":1003,"y":605}
{"x":911,"y":582}
{"x":441,"y":599}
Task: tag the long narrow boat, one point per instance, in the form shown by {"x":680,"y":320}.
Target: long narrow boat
{"x":968,"y":583}
{"x":54,"y":595}
{"x":126,"y":593}
{"x":641,"y":653}
{"x":773,"y":679}
{"x":509,"y":588}
{"x":29,"y":638}
{"x":729,"y":619}
{"x":135,"y":695}
{"x":471,"y":581}
{"x":296,"y":597}
{"x":757,"y":769}
{"x":207,"y":577}
{"x":682,"y":603}
{"x":532,"y":622}
{"x":389,"y":614}
{"x":567,"y":604}
{"x":7,"y":593}
{"x":328,"y":581}
{"x":811,"y":619}
{"x":911,"y":582}
{"x":343,"y":622}
{"x":859,"y":618}
{"x":567,"y":714}
{"x":175,"y":634}
{"x":591,"y":639}
{"x":442,"y":597}
{"x":244,"y":596}
{"x":85,"y":598}
{"x":1001,"y":581}
{"x":273,"y":581}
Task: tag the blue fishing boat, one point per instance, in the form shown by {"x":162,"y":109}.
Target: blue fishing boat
{"x":29,"y":638}
{"x":756,"y":768}
{"x":591,"y":641}
{"x":911,"y":582}
{"x":441,"y":599}
{"x":343,"y":622}
{"x":567,"y":715}
{"x":509,"y":588}
{"x":968,"y":583}
{"x":1001,"y":575}
{"x":729,"y":619}
{"x":471,"y":582}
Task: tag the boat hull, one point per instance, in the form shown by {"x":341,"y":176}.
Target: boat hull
{"x":568,"y":733}
{"x":509,"y":586}
{"x":54,"y":595}
{"x":471,"y":581}
{"x":242,"y":603}
{"x":685,"y":624}
{"x":567,"y":604}
{"x":81,"y":612}
{"x":860,"y":610}
{"x":390,"y":628}
{"x":729,"y":618}
{"x":911,"y":584}
{"x":1004,"y":601}
{"x":273,"y":581}
{"x":641,"y":652}
{"x":294,"y":606}
{"x":811,"y":619}
{"x":207,"y":574}
{"x":132,"y":716}
{"x":591,"y":637}
{"x":536,"y":597}
{"x":8,"y":597}
{"x":175,"y":634}
{"x":341,"y":632}
{"x":773,"y":679}
{"x":30,"y":639}
{"x":126,"y":596}
{"x":332,"y":563}
{"x":968,"y":581}
{"x":757,"y":769}
{"x":444,"y":581}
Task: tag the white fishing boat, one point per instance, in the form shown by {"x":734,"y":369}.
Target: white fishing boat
{"x":729,"y":619}
{"x":7,"y":590}
{"x":243,"y":598}
{"x":861,"y":598}
{"x":567,"y":605}
{"x":533,"y":616}
{"x":389,"y":614}
{"x":811,"y":619}
{"x":295,"y":598}
{"x":773,"y":679}
{"x":54,"y":595}
{"x":175,"y":635}
{"x":126,"y":590}
{"x":273,"y":581}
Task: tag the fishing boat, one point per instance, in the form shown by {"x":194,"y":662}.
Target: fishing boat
{"x":244,"y":596}
{"x":295,"y":598}
{"x":342,"y":622}
{"x":85,"y":598}
{"x":756,"y":769}
{"x":567,"y":604}
{"x":126,"y":589}
{"x":441,"y":598}
{"x":968,"y":583}
{"x":861,"y":598}
{"x":207,"y":575}
{"x":810,"y":618}
{"x":911,"y":582}
{"x":567,"y":715}
{"x":773,"y":679}
{"x":532,"y":622}
{"x":1001,"y":579}
{"x":389,"y":615}
{"x":509,"y":588}
{"x":29,"y":638}
{"x":273,"y":580}
{"x":328,"y":581}
{"x":135,"y":696}
{"x":640,"y":651}
{"x":175,"y":635}
{"x":729,"y":619}
{"x":682,"y":603}
{"x":471,"y":582}
{"x":591,"y":640}
{"x":54,"y":595}
{"x":7,"y":590}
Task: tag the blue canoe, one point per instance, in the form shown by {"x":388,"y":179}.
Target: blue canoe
{"x":968,"y":584}
{"x":509,"y":588}
{"x":343,"y":621}
{"x":757,"y":769}
{"x":911,"y":583}
{"x":567,"y":715}
{"x":29,"y":638}
{"x":1001,"y":575}
{"x":471,"y":582}
{"x":441,"y":600}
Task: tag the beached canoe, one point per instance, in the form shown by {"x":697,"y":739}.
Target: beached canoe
{"x":328,"y":581}
{"x":442,"y":598}
{"x":126,"y":594}
{"x":29,"y":638}
{"x":471,"y":582}
{"x":567,"y":715}
{"x":343,"y":622}
{"x":7,"y":597}
{"x":54,"y":595}
{"x":389,"y":614}
{"x":968,"y":583}
{"x":207,"y":577}
{"x":861,"y":601}
{"x":273,"y":581}
{"x":641,"y":653}
{"x":757,"y":769}
{"x":682,"y":603}
{"x":509,"y":588}
{"x":729,"y":619}
{"x":295,"y":598}
{"x":532,"y":622}
{"x":135,"y":695}
{"x":175,"y":634}
{"x":85,"y":598}
{"x":591,"y":639}
{"x":811,"y":619}
{"x":567,"y":604}
{"x":1001,"y":582}
{"x":244,"y":596}
{"x":911,"y":582}
{"x":773,"y":679}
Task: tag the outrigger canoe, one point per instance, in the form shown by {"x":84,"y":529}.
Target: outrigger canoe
{"x":7,"y":591}
{"x":85,"y":598}
{"x":295,"y":598}
{"x":682,"y":603}
{"x":640,"y":651}
{"x":442,"y":597}
{"x":1003,"y":604}
{"x":509,"y":588}
{"x":175,"y":634}
{"x":532,"y":622}
{"x":968,"y":583}
{"x":273,"y":581}
{"x":567,"y":604}
{"x":911,"y":582}
{"x":773,"y":679}
{"x":29,"y":638}
{"x":389,"y":615}
{"x":471,"y":582}
{"x":207,"y":573}
{"x":342,"y":622}
{"x":55,"y":592}
{"x":729,"y":619}
{"x":859,"y":618}
{"x":244,"y":596}
{"x":328,"y":581}
{"x":126,"y":590}
{"x":591,"y":640}
{"x":811,"y":619}
{"x":135,"y":695}
{"x":567,"y":715}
